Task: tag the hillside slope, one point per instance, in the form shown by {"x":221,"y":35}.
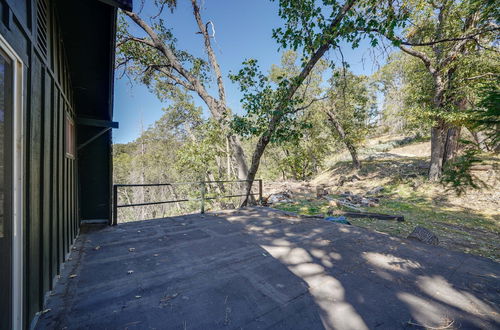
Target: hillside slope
{"x":469,"y":223}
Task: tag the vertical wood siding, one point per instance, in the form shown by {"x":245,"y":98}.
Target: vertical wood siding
{"x":51,"y":206}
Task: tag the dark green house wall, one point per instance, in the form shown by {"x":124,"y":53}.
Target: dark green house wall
{"x":65,"y":74}
{"x":91,"y":65}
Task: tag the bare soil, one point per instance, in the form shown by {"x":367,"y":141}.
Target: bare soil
{"x":468,"y":223}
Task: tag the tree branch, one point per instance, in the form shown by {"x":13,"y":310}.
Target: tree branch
{"x":421,"y":55}
{"x":140,"y":40}
{"x":210,"y":51}
{"x":179,"y":81}
{"x":309,"y":104}
{"x":328,"y":38}
{"x":211,"y":102}
{"x":434,"y":42}
{"x":482,"y":76}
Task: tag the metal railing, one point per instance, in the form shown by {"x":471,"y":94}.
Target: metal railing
{"x":202,"y":198}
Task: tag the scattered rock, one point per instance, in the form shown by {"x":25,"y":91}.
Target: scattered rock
{"x":353,"y":178}
{"x":333,"y":203}
{"x":375,"y":190}
{"x":424,"y":235}
{"x":343,"y":179}
{"x":321,"y":191}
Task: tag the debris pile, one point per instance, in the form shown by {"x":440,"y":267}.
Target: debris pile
{"x":356,"y":201}
{"x":281,"y":197}
{"x":344,"y":179}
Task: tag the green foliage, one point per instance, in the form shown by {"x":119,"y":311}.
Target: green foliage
{"x":457,"y":175}
{"x":263,"y":96}
{"x":407,"y":89}
{"x":486,"y":116}
{"x":148,"y":66}
{"x":261,"y":100}
{"x":308,"y":23}
{"x":300,"y":159}
{"x":353,"y":100}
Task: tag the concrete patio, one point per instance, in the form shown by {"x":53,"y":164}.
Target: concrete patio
{"x":259,"y":268}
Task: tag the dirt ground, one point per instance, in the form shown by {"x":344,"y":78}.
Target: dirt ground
{"x":468,"y":223}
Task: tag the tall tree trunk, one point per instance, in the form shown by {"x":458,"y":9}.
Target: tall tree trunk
{"x":185,"y":78}
{"x":354,"y":155}
{"x":444,"y":137}
{"x":444,"y":145}
{"x":274,"y":123}
{"x":451,"y":144}
{"x":439,"y":132}
{"x":332,"y":118}
{"x":239,"y":156}
{"x":438,"y":137}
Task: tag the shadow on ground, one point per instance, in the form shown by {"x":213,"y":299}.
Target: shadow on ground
{"x":261,"y":268}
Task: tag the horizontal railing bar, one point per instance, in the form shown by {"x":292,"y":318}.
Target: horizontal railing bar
{"x":180,"y":200}
{"x":176,"y":183}
{"x":231,"y":196}
{"x":202,"y":199}
{"x":155,"y":203}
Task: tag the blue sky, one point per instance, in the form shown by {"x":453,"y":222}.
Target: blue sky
{"x":243,"y":30}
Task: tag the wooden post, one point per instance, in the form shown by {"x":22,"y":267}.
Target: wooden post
{"x":115,"y":205}
{"x":202,"y":197}
{"x":260,"y":192}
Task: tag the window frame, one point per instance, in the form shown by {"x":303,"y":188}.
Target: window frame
{"x":69,"y":136}
{"x":18,"y":148}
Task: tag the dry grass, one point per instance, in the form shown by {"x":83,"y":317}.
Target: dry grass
{"x":468,"y":223}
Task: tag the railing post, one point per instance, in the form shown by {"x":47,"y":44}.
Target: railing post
{"x":260,"y":191}
{"x":115,"y":205}
{"x":202,"y":197}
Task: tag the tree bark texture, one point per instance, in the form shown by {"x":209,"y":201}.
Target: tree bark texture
{"x":332,"y":118}
{"x":217,"y":106}
{"x":265,"y":138}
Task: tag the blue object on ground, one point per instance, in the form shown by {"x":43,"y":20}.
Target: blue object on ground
{"x":340,"y":219}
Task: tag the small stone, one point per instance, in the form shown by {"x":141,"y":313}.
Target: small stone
{"x":333,"y":203}
{"x":375,"y":190}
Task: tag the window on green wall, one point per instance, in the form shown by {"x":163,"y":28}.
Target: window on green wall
{"x":70,"y":137}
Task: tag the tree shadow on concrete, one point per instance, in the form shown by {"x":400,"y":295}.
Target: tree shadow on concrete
{"x":361,"y":279}
{"x":259,"y":268}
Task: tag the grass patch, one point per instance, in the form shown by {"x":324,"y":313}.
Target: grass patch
{"x":461,"y":231}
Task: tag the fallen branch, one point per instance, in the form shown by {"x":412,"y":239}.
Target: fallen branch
{"x":371,"y":215}
{"x":349,"y":205}
{"x":481,"y":168}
